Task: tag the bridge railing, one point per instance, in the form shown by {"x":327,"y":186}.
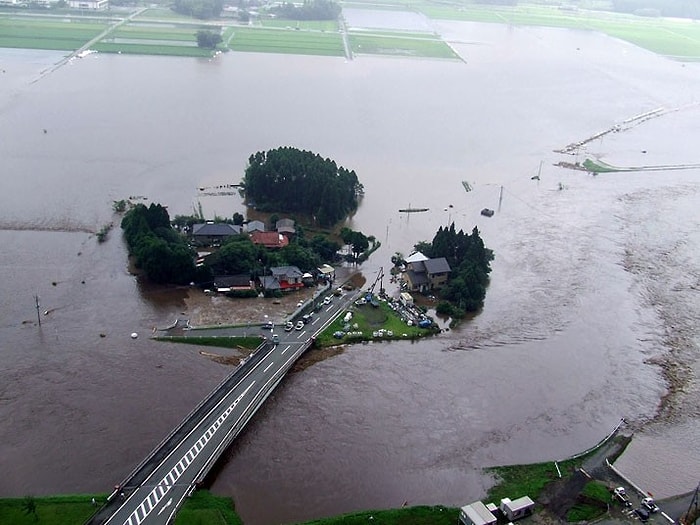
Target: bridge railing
{"x":140,"y":471}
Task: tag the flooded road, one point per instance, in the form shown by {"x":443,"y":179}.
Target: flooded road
{"x":591,"y":315}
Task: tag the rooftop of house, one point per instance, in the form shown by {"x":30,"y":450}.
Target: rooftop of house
{"x":269,"y":239}
{"x":215,"y":229}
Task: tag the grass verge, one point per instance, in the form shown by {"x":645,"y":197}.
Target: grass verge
{"x":592,"y":503}
{"x":249,"y":343}
{"x":422,"y":515}
{"x":203,"y":508}
{"x":51,"y":510}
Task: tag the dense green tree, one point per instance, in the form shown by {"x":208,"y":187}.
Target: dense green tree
{"x":238,"y":219}
{"x":161,"y":253}
{"x":326,"y":249}
{"x":309,"y":10}
{"x":235,"y":257}
{"x":208,"y":39}
{"x":302,"y":258}
{"x":470,"y":261}
{"x":203,"y":9}
{"x":291,"y":180}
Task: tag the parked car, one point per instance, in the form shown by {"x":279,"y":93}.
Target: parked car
{"x":289,"y":326}
{"x":650,"y":505}
{"x":306,"y":318}
{"x":300,"y":325}
{"x":622,"y":496}
{"x":269,"y":325}
{"x":327,"y":300}
{"x":275,"y":339}
{"x":642,"y":514}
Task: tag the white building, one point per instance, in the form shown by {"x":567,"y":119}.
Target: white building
{"x":96,"y":5}
{"x":518,"y":508}
{"x":476,"y":514}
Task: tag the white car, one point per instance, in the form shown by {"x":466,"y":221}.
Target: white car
{"x":650,"y":505}
{"x":289,"y":326}
{"x":300,"y":325}
{"x":327,"y":300}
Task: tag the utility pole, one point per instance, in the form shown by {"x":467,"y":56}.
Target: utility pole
{"x":38,"y":315}
{"x":500,"y":199}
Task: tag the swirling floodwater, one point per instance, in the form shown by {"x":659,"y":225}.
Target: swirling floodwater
{"x":591,"y":314}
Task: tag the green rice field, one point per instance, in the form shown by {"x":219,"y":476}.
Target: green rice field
{"x":310,"y":25}
{"x":60,"y":34}
{"x":268,"y":40}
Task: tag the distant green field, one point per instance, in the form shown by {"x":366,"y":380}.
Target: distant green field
{"x":162,"y":13}
{"x":311,"y":25}
{"x":151,"y":49}
{"x":175,"y":36}
{"x":155,"y":33}
{"x":29,"y":33}
{"x":267,"y":40}
{"x":674,"y":38}
{"x":383,"y":44}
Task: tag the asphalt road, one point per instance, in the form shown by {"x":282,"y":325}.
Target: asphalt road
{"x":156,"y":499}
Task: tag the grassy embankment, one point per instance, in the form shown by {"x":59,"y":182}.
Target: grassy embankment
{"x":52,"y":510}
{"x":249,"y":343}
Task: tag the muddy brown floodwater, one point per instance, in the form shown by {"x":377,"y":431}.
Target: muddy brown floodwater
{"x":591,"y":314}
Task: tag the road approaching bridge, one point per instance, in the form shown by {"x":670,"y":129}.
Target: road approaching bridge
{"x":156,"y":488}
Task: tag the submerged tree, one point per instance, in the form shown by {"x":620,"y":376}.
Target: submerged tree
{"x":292,"y":180}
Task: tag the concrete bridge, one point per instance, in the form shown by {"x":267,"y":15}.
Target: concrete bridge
{"x":152,"y":493}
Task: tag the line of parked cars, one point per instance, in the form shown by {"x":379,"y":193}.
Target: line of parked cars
{"x":643,"y":512}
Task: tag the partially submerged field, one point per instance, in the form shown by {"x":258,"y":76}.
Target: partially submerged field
{"x":679,"y":39}
{"x":160,"y":31}
{"x":414,"y":44}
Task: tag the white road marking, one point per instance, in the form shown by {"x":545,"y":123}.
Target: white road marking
{"x":155,"y":495}
{"x":167,"y":504}
{"x":268,"y":367}
{"x":283,"y":351}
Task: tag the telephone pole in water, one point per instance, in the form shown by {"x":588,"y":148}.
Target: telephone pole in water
{"x":38,"y":315}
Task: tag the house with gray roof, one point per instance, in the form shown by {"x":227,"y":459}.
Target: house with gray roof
{"x":289,"y":277}
{"x":285,"y":226}
{"x":255,"y":226}
{"x":423,"y":275}
{"x":212,"y":232}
